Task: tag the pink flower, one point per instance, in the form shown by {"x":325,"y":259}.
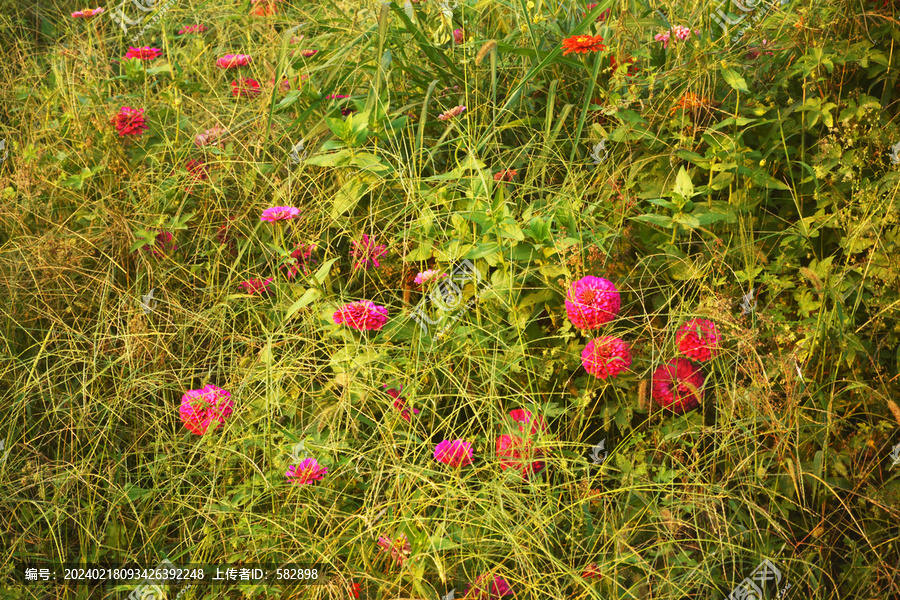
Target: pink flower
{"x":306,"y":472}
{"x":505,"y":175}
{"x":606,"y":356}
{"x":308,"y":53}
{"x":362,"y":315}
{"x":197,"y":168}
{"x":453,"y":112}
{"x":499,"y":588}
{"x":367,"y":253}
{"x":591,"y":302}
{"x":399,"y":549}
{"x":245,"y":88}
{"x":210,"y":136}
{"x":458,"y":36}
{"x":698,"y":339}
{"x":230,"y":61}
{"x":678,"y":385}
{"x":86,"y":13}
{"x":164,"y":245}
{"x":257,"y":286}
{"x":199,"y":408}
{"x":280,"y":213}
{"x":130,"y":121}
{"x":145,"y":53}
{"x":457,"y":453}
{"x":336,"y":96}
{"x":428,"y":276}
{"x":400,"y":403}
{"x":302,"y":260}
{"x":520,"y":415}
{"x":681,"y":32}
{"x":662,"y":37}
{"x":193,"y":29}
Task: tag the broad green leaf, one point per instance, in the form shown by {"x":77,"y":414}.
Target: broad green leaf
{"x":734,"y":80}
{"x":661,"y":220}
{"x":307,"y":298}
{"x":686,"y":220}
{"x":323,"y":271}
{"x":348,"y":196}
{"x":340,"y":158}
{"x":683,"y":185}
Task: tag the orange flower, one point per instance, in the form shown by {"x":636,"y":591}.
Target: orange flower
{"x":583,"y":43}
{"x":691,"y":101}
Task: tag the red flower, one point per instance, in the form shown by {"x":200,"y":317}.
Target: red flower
{"x":245,"y":88}
{"x":354,"y":589}
{"x":130,"y":121}
{"x":678,"y":385}
{"x":145,"y":53}
{"x":606,"y":356}
{"x":698,"y":339}
{"x":505,"y":175}
{"x":583,"y":44}
{"x":518,"y":453}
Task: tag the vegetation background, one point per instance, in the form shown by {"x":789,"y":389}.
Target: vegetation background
{"x":758,"y":166}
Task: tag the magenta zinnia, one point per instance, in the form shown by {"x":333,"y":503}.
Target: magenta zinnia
{"x":200,"y":408}
{"x":606,"y":356}
{"x":256,"y":286}
{"x":130,"y":121}
{"x":698,"y":339}
{"x":678,"y":385}
{"x":230,"y":61}
{"x":164,"y":245}
{"x":498,"y":588}
{"x":505,"y":175}
{"x":453,"y":112}
{"x":302,"y":260}
{"x":591,"y":302}
{"x":520,"y":415}
{"x":362,"y":315}
{"x":399,"y":549}
{"x":400,"y":402}
{"x":367,"y":253}
{"x":145,"y":53}
{"x":457,"y":453}
{"x":306,"y":472}
{"x":280,"y":213}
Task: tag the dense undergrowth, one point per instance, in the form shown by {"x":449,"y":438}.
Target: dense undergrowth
{"x":748,"y":180}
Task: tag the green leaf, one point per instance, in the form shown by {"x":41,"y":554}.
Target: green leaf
{"x":764,"y":179}
{"x":511,"y":230}
{"x":661,"y":220}
{"x":338,"y":159}
{"x":423,"y":252}
{"x":348,"y":196}
{"x":370,"y":162}
{"x":683,"y":185}
{"x":482,"y":250}
{"x":323,"y":271}
{"x":686,"y":220}
{"x":734,"y":80}
{"x":306,"y":299}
